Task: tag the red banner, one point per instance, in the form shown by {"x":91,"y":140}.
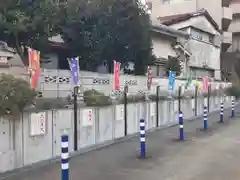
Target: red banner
{"x":34,"y":66}
{"x":116,"y":75}
{"x":205,"y":84}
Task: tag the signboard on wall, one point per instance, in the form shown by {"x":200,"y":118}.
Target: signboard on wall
{"x":38,"y":124}
{"x":193,"y":103}
{"x":152,"y":109}
{"x":87,"y":119}
{"x":205,"y":102}
{"x":175,"y":106}
{"x":119,"y":113}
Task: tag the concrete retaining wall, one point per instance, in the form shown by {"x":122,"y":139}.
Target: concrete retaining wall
{"x":36,"y":136}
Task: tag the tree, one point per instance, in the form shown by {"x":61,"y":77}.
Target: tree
{"x":28,"y":23}
{"x":15,"y":95}
{"x":108,"y":30}
{"x":173,"y":64}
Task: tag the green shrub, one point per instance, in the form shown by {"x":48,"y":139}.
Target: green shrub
{"x":133,"y":98}
{"x":234,"y":91}
{"x":153,"y":97}
{"x":16,"y":94}
{"x":50,"y":103}
{"x":136,"y":98}
{"x":96,"y":98}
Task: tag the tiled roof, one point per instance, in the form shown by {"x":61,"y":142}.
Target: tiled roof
{"x":170,"y":20}
{"x":163,"y":29}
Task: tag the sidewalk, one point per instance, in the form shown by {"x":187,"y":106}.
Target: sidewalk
{"x":204,"y":155}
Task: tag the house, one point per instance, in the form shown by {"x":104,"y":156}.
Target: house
{"x":204,"y":42}
{"x":166,"y":44}
{"x":10,"y":62}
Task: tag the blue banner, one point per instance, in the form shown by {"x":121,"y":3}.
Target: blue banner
{"x":171,"y":80}
{"x":75,"y":70}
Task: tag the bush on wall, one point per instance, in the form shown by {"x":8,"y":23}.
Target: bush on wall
{"x":173,"y":64}
{"x":95,"y":98}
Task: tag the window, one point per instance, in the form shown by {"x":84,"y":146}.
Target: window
{"x":201,"y":72}
{"x":211,"y":39}
{"x":196,"y":34}
{"x":202,"y":36}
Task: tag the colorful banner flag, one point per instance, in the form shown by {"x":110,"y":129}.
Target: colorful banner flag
{"x":197,"y":84}
{"x":116,"y":75}
{"x":171,"y":80}
{"x":34,"y":66}
{"x":188,"y":82}
{"x":205,"y":84}
{"x":149,"y":78}
{"x":74,"y":67}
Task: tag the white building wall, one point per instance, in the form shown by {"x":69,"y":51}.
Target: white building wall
{"x":162,"y":48}
{"x":205,"y":54}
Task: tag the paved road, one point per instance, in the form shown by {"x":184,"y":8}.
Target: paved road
{"x":212,"y":155}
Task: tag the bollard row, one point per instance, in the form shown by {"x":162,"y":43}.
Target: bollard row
{"x":65,"y":144}
{"x":181,"y":126}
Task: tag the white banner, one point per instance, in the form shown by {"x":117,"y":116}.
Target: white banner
{"x":153,"y":109}
{"x":37,"y":124}
{"x":87,"y":119}
{"x":119,"y":113}
{"x":193,"y":103}
{"x":175,"y":108}
{"x":205,"y":102}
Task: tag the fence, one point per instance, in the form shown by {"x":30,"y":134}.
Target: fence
{"x":37,"y":136}
{"x":58,"y":83}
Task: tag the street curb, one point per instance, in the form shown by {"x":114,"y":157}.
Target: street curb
{"x":56,"y":159}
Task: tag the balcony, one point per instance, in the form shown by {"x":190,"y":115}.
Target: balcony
{"x":226,"y":3}
{"x":235,"y":8}
{"x":226,"y":17}
{"x":226,"y":40}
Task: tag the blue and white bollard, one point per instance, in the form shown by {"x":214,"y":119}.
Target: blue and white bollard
{"x":221,"y":113}
{"x":142,"y":139}
{"x":181,"y":130}
{"x":64,"y":158}
{"x":233,"y":109}
{"x":205,"y":124}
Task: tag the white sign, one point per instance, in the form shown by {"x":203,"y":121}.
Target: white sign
{"x":227,"y":98}
{"x":119,"y":114}
{"x":37,"y":124}
{"x":152,"y":109}
{"x":193,"y":103}
{"x":87,"y":119}
{"x":205,"y":102}
{"x":221,"y":99}
{"x":175,"y":106}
